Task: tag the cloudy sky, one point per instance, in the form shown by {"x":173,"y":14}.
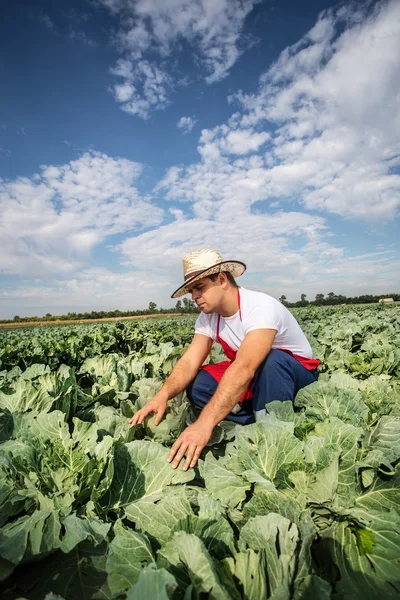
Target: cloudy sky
{"x":134,"y":131}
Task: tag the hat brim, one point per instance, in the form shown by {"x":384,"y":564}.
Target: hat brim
{"x":234,"y":267}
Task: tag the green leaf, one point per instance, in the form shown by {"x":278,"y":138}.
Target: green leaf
{"x":78,"y":529}
{"x":187,"y":558}
{"x":153,"y":583}
{"x":30,"y":535}
{"x":334,"y":456}
{"x":266,"y":502}
{"x":159,"y":518}
{"x":382,"y":495}
{"x":141,"y":470}
{"x":249,"y":568}
{"x":268,"y":447}
{"x":221,"y":483}
{"x":278,"y":538}
{"x":369,"y":562}
{"x":313,"y":588}
{"x":383,"y":443}
{"x":128,"y":553}
{"x":325,"y":399}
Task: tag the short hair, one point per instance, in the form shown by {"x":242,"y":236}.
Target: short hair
{"x":229,"y":277}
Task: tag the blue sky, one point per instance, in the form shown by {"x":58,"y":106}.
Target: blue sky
{"x":134,"y":132}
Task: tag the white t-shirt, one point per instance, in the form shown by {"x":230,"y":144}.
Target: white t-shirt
{"x":259,"y":311}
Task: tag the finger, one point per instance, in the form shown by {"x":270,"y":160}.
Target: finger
{"x":160,"y":414}
{"x":180,"y":454}
{"x":139,"y":417}
{"x":196,"y":456}
{"x":189,"y":456}
{"x":174,"y":449}
{"x":134,"y":419}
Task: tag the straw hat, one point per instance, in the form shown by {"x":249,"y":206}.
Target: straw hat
{"x":202,"y":263}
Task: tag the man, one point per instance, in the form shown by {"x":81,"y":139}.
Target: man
{"x":268,"y":355}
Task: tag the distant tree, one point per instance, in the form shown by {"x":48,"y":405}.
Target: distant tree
{"x":282,"y":299}
{"x":17,"y":318}
{"x":319,"y":298}
{"x":152,"y":306}
{"x":48,"y":315}
{"x":303,"y":297}
{"x":178,"y":305}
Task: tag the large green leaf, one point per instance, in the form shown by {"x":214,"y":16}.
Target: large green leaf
{"x":333,"y":450}
{"x":384,"y":494}
{"x":24,"y":396}
{"x":267,"y":447}
{"x":279,"y":539}
{"x":382,"y":445}
{"x":249,"y":568}
{"x":128,"y":553}
{"x":187,"y":558}
{"x":159,"y":518}
{"x":276,"y":501}
{"x":77,"y":529}
{"x":222,"y":483}
{"x":153,"y":583}
{"x":44,"y":531}
{"x":141,"y":470}
{"x":368,"y":559}
{"x":30,"y":535}
{"x":325,"y":399}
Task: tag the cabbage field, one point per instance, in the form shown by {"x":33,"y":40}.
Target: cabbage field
{"x":304,"y":504}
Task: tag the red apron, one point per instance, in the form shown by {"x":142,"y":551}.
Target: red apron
{"x":217,"y":371}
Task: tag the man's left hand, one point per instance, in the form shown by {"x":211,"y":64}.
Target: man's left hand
{"x":190,"y":444}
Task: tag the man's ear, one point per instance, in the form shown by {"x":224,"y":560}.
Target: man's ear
{"x":222,"y":278}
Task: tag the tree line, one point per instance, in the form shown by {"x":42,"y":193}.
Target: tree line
{"x":186,"y":306}
{"x":332,"y":299}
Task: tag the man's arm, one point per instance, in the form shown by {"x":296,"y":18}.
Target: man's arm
{"x":182,"y":374}
{"x":253,"y":350}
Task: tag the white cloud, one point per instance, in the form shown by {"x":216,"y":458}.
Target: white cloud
{"x":145,"y":87}
{"x":94,"y":288}
{"x":262,"y":240}
{"x":158,"y":28}
{"x":186,"y":124}
{"x":315,"y":133}
{"x":50,"y":222}
{"x":333,"y":101}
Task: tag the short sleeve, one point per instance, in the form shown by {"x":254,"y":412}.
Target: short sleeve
{"x":263,"y":316}
{"x":203,"y":326}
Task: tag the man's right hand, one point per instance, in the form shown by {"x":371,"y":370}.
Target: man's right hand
{"x":157,"y":405}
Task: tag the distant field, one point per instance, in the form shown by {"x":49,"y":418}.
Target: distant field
{"x":82,"y":321}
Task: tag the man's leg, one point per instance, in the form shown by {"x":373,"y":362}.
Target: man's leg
{"x":279,"y":377}
{"x":202,"y":389}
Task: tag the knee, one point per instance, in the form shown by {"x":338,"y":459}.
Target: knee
{"x":203,"y":385}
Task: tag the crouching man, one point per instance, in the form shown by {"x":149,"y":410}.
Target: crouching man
{"x":268,"y":356}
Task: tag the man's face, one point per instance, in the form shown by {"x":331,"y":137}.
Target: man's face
{"x":207,"y":293}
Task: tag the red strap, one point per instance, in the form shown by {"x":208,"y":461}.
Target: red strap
{"x":217,"y":371}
